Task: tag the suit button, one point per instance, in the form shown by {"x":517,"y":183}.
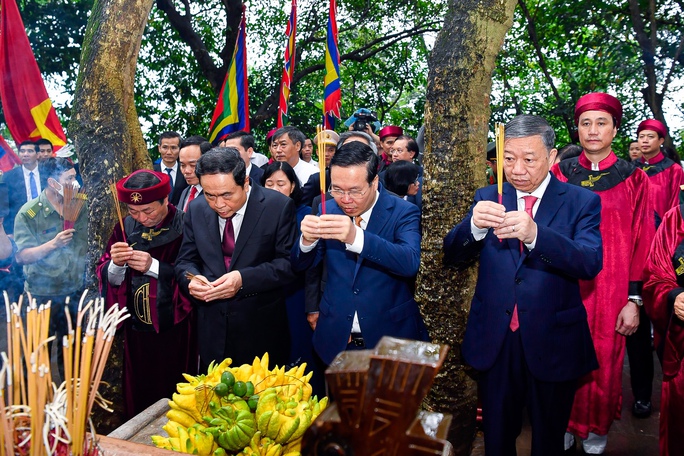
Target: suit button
{"x":518,"y":281}
{"x":356,"y":291}
{"x":508,"y":312}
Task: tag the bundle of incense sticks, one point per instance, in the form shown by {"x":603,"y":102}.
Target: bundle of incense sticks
{"x":321,"y":163}
{"x":36,"y":417}
{"x":499,"y":130}
{"x":73,"y":203}
{"x":117,"y":205}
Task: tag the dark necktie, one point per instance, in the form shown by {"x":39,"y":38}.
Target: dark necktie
{"x":168,"y":171}
{"x":33,"y":186}
{"x":228,"y":243}
{"x":529,"y":204}
{"x":193,"y":192}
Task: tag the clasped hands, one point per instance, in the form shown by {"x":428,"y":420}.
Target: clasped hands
{"x":506,"y":225}
{"x":123,"y":254}
{"x":225,"y":287}
{"x":328,"y":226}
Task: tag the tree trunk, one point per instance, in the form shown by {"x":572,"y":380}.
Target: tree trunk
{"x":109,"y":142}
{"x":456,"y":117}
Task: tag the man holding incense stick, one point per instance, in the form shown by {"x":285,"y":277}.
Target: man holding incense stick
{"x":54,"y":258}
{"x":136,"y":271}
{"x":528,"y":335}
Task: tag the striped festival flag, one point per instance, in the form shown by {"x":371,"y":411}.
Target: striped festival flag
{"x":288,"y":68}
{"x":232,"y":109}
{"x":332,"y":97}
{"x":28,"y":110}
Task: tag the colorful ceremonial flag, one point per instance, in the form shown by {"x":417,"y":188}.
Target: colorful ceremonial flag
{"x":232,"y":109}
{"x":332,"y":97}
{"x":7,"y":156}
{"x":28,"y":110}
{"x":288,"y":68}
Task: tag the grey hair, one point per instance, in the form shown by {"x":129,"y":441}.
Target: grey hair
{"x":359,"y":134}
{"x":526,"y":125}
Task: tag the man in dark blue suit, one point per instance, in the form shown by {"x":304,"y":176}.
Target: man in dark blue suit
{"x":370,"y":242}
{"x":527,"y":331}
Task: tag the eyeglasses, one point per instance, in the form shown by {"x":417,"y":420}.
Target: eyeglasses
{"x":353,"y":194}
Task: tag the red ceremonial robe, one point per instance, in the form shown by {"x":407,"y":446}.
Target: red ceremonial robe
{"x":159,"y":338}
{"x":664,"y":281}
{"x":665,"y":177}
{"x":627,"y":227}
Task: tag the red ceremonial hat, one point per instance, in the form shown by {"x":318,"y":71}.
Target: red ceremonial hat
{"x":140,"y":196}
{"x":270,"y":134}
{"x":390,"y":130}
{"x":654,"y":125}
{"x":599,"y":101}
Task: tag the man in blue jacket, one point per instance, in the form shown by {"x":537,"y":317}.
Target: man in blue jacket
{"x":370,"y":242}
{"x":527,"y":331}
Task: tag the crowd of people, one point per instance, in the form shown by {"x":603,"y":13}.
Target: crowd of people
{"x":229,"y":253}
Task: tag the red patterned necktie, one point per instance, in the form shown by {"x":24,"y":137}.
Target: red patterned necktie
{"x":228,"y":243}
{"x":193,"y":193}
{"x":529,"y":204}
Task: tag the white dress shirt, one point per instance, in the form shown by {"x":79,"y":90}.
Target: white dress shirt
{"x":27,"y":181}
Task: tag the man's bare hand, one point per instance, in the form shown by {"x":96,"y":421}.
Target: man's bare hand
{"x":224,"y":287}
{"x":63,"y":238}
{"x":679,"y":306}
{"x":312,"y":318}
{"x":488,"y":214}
{"x":328,"y":226}
{"x":120,"y":253}
{"x":517,"y":225}
{"x":628,"y":319}
{"x":199,"y":287}
{"x":140,"y":261}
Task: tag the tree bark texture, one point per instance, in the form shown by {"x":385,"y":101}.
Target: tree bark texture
{"x":456,"y":117}
{"x":109,"y":141}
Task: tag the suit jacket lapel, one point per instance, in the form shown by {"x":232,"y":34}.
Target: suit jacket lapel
{"x":255,"y":207}
{"x":379,"y":218}
{"x":510,"y":202}
{"x":550,"y":204}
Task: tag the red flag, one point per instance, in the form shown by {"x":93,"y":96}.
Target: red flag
{"x":28,"y":110}
{"x":288,"y":68}
{"x":7,"y":156}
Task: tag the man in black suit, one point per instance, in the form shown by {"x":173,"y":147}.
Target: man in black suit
{"x":244,"y":143}
{"x":169,"y":148}
{"x":24,"y":182}
{"x":191,"y":149}
{"x":236,"y":242}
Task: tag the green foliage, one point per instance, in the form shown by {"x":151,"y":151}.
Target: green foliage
{"x":586,"y":47}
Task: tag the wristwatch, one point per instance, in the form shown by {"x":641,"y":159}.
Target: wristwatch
{"x":638,"y":301}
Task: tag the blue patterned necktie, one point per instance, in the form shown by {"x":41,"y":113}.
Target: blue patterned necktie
{"x":33,"y":186}
{"x":168,"y":171}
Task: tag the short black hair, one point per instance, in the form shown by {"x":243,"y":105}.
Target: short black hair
{"x":27,"y":143}
{"x":246,"y":140}
{"x":357,"y":153}
{"x":285,"y":167}
{"x":170,"y":135}
{"x":399,"y":175}
{"x":411,"y":145}
{"x":222,"y":160}
{"x":55,"y":167}
{"x":196,"y":140}
{"x":43,"y":142}
{"x":294,"y":134}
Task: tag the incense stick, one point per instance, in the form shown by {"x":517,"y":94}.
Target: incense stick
{"x":321,"y":164}
{"x":117,"y":205}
